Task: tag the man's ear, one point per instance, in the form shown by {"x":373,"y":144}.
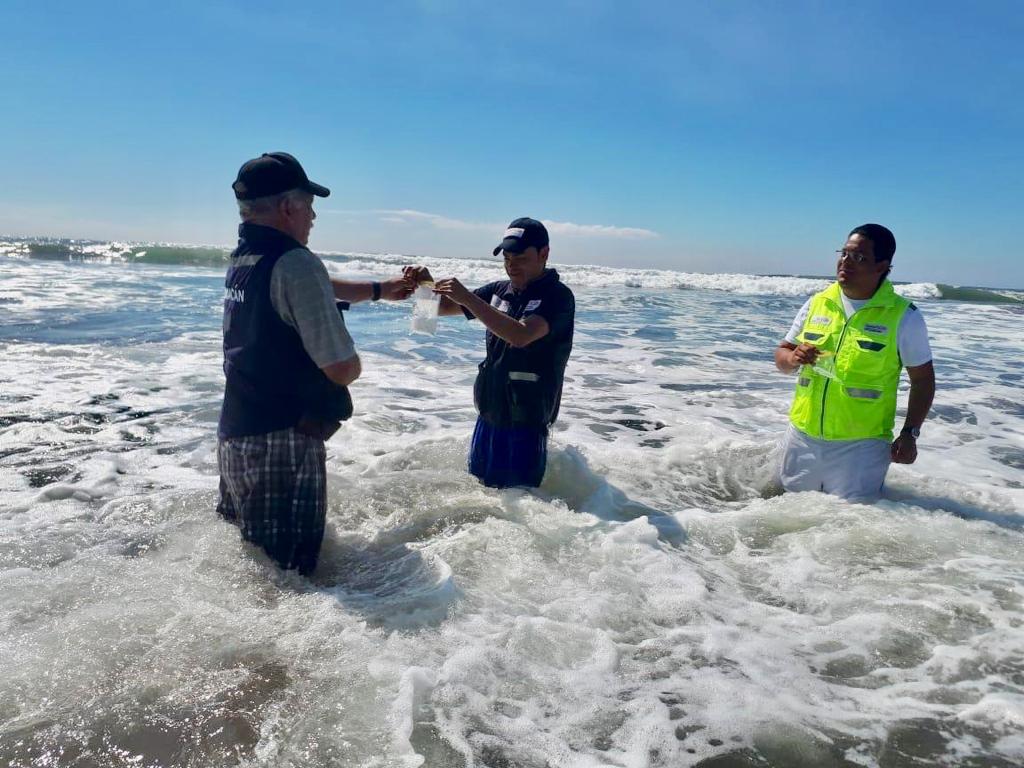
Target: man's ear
{"x":544,"y":253}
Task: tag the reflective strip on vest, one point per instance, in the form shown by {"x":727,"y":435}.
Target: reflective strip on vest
{"x":868,"y":394}
{"x":867,"y":363}
{"x":523,"y":376}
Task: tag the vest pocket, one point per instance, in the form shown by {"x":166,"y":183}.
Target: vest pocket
{"x":801,"y":412}
{"x":871,"y":346}
{"x":866,"y":357}
{"x":862,"y":393}
{"x":327,"y":401}
{"x":526,"y":399}
{"x":856,"y":413}
{"x":482,"y":391}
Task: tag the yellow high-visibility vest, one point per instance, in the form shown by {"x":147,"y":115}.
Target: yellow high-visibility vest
{"x":860,"y":402}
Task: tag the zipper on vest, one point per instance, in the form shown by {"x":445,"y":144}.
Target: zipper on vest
{"x":824,"y":392}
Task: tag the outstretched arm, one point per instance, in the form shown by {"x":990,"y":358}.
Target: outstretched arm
{"x":448,"y":307}
{"x":518,"y":333}
{"x":352,"y":291}
{"x":419,"y":275}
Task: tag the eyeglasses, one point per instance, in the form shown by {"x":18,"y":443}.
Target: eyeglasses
{"x":857,"y":257}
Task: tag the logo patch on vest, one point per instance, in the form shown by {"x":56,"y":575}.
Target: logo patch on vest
{"x":234,"y":294}
{"x":499,"y":304}
{"x":874,"y":328}
{"x":820,"y":320}
{"x":532,"y":305}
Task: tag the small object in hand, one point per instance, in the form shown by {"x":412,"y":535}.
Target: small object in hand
{"x":425,"y":308}
{"x":825,"y":364}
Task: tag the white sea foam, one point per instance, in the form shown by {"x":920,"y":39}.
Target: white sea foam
{"x":485,"y":269}
{"x":920,"y":291}
{"x":653,"y":604}
{"x":592,"y":276}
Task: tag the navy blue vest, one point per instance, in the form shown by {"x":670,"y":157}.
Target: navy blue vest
{"x":522,"y":387}
{"x":272,"y":383}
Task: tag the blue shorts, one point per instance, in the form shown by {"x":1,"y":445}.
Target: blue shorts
{"x":503,"y":457}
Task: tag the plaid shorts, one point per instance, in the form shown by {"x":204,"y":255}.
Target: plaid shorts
{"x":274,"y":488}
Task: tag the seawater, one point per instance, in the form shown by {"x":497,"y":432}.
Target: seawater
{"x":656,"y":603}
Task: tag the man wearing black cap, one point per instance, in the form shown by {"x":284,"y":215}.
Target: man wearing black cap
{"x":529,"y":320}
{"x":288,"y":359}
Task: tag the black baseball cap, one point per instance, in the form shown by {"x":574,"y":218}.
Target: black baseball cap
{"x":271,"y":174}
{"x":522,"y":234}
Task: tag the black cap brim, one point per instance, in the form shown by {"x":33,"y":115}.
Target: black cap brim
{"x":510,"y":244}
{"x":316,"y":189}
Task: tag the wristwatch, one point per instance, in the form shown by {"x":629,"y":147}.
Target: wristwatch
{"x":914,"y":432}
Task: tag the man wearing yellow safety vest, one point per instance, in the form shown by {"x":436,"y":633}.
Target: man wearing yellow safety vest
{"x":848,"y":345}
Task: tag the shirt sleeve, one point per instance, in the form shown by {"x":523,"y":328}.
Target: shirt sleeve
{"x":485,"y":292}
{"x":798,"y":323}
{"x":301,"y":293}
{"x":558,"y":308}
{"x":912,"y":339}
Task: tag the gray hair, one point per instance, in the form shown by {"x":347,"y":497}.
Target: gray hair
{"x":261,"y":206}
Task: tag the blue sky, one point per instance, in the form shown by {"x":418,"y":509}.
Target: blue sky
{"x":713,"y":136}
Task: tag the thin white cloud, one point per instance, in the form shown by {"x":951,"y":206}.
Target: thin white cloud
{"x":561,"y":228}
{"x":438,"y":221}
{"x":570,"y":229}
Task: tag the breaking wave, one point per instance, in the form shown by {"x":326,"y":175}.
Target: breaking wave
{"x":483,"y":270}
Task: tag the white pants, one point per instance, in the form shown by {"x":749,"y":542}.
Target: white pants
{"x":851,"y":469}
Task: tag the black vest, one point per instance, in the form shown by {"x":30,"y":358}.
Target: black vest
{"x":522,"y":387}
{"x":272,"y":383}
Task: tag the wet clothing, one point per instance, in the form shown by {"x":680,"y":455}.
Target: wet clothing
{"x":840,"y":434}
{"x":272,"y":381}
{"x":911,"y":337}
{"x":505,"y":457}
{"x":859,"y":399}
{"x":274,"y":488}
{"x":523,"y":387}
{"x":518,"y":391}
{"x":281,"y":326}
{"x":850,"y":469}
